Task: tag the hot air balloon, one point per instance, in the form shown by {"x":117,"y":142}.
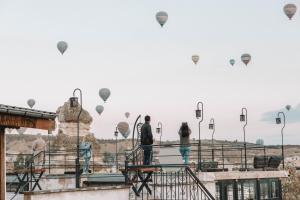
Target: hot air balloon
{"x":246,"y":58}
{"x":31,"y":103}
{"x":232,"y":62}
{"x":288,"y":107}
{"x":99,"y":109}
{"x":104,"y":93}
{"x":161,"y":17}
{"x":195,"y":59}
{"x":126,"y":134}
{"x":62,"y":46}
{"x":127,"y":114}
{"x":290,"y":10}
{"x":123,"y":128}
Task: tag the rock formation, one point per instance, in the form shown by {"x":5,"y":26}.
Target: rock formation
{"x":67,"y":118}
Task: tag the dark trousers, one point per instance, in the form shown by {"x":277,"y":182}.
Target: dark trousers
{"x":147,"y":154}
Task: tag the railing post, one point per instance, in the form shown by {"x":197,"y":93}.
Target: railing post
{"x":245,"y":147}
{"x":126,"y":170}
{"x":242,"y":163}
{"x":223,"y":156}
{"x":133,"y":157}
{"x":93,"y":163}
{"x":265,"y":158}
{"x":65,"y":162}
{"x":31,"y":175}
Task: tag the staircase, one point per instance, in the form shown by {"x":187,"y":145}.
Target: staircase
{"x":167,"y":178}
{"x":182,"y":184}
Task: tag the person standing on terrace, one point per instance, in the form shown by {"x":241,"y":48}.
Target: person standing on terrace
{"x":147,"y":140}
{"x":185,"y":147}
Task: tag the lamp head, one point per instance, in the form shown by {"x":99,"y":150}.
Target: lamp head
{"x":278,"y":120}
{"x":116,"y":133}
{"x":242,"y":118}
{"x":74,"y":102}
{"x":158,"y":130}
{"x":198,"y":113}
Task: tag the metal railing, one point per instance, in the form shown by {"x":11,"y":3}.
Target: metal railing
{"x":222,"y":157}
{"x":172,"y":179}
{"x":62,"y":161}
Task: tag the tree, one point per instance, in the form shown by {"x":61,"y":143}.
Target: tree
{"x":291,"y":186}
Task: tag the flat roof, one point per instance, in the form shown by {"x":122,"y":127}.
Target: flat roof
{"x":26,"y":112}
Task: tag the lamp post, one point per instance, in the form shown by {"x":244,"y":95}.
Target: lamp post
{"x":159,"y":131}
{"x":49,"y":149}
{"x":244,"y":118}
{"x":74,"y":104}
{"x":116,"y":135}
{"x":135,"y":127}
{"x":199,"y":115}
{"x":211,"y":126}
{"x":278,"y":121}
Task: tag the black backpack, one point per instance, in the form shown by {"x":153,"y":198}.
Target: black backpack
{"x":185,"y":131}
{"x":146,"y":138}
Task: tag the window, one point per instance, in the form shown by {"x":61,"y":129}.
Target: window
{"x":229,"y":191}
{"x":264,"y":190}
{"x":249,"y":190}
{"x":275,"y":189}
{"x":240,"y":193}
{"x":224,"y":190}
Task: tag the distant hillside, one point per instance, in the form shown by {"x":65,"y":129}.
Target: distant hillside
{"x":23,"y":144}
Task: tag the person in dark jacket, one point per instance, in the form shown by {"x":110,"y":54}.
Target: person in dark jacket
{"x":147,"y":141}
{"x":185,"y":147}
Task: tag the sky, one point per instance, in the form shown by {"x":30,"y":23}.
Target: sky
{"x":119,"y":45}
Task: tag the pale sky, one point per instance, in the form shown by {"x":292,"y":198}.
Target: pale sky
{"x":118,"y":44}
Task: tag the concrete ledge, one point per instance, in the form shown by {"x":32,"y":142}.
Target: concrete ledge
{"x":91,"y":193}
{"x":236,"y":175}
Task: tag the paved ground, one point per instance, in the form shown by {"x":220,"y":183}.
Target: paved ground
{"x":170,"y":155}
{"x":10,"y":195}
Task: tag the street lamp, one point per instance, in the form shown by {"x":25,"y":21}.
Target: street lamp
{"x":116,"y":135}
{"x":159,"y":131}
{"x":211,"y":126}
{"x":278,"y":121}
{"x":74,"y":104}
{"x":244,"y":118}
{"x":199,"y":115}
